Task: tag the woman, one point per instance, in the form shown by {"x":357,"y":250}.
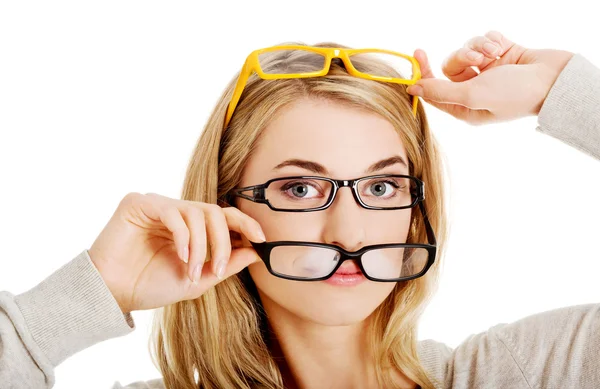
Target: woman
{"x":238,"y":321}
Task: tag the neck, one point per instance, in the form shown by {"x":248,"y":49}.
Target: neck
{"x":313,"y":355}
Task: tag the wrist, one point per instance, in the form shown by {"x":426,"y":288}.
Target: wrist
{"x":551,"y":70}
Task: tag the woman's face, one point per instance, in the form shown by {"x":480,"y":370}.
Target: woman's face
{"x":338,"y":142}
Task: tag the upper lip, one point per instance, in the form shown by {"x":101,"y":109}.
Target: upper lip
{"x":350,"y":268}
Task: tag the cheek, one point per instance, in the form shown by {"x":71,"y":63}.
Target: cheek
{"x":285,"y":225}
{"x":388,"y":226}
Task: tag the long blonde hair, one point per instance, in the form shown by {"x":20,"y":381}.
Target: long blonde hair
{"x":218,"y":340}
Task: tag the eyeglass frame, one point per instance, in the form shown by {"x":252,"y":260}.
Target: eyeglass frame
{"x":259,"y":191}
{"x":264,"y":249}
{"x":252,"y":64}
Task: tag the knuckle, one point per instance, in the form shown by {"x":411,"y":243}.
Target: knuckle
{"x":478,"y":42}
{"x":460,"y":53}
{"x":132,"y":196}
{"x":130,"y":199}
{"x":213,"y":209}
{"x":473,"y":43}
{"x":155,"y":197}
{"x":194,"y":214}
{"x":494,"y":35}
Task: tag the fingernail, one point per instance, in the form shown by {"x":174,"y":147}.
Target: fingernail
{"x":196,"y":274}
{"x":474,"y":55}
{"x":261,"y":235}
{"x":221,"y":269}
{"x":186,"y":254}
{"x":490,"y":48}
{"x":416,"y":90}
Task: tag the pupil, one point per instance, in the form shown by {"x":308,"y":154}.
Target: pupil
{"x":299,"y":191}
{"x":378,"y":189}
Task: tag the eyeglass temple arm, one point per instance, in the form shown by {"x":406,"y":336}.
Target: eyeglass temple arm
{"x":414,"y":105}
{"x":417,"y":76}
{"x":258,"y":193}
{"x":239,"y":88}
{"x":428,"y":229}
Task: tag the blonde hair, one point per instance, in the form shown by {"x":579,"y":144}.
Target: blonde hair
{"x":218,"y":340}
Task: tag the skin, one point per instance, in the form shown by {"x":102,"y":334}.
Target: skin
{"x":481,"y":88}
{"x":319,"y":325}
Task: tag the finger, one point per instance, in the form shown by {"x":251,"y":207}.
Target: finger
{"x":421,"y":57}
{"x":171,"y":218}
{"x":458,"y":65}
{"x":244,"y":224}
{"x":443,"y":91}
{"x":503,"y":43}
{"x":471,"y":116}
{"x":240,"y":259}
{"x":196,"y":222}
{"x":427,"y":73}
{"x":218,"y":236}
{"x":485,"y":46}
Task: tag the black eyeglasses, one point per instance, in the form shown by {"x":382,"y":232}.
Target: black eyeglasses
{"x":309,"y":261}
{"x":313,"y":193}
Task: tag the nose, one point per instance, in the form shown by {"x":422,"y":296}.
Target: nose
{"x":345,"y":224}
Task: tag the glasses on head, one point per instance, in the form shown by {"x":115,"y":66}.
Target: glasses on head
{"x":297,"y":61}
{"x":310,"y":261}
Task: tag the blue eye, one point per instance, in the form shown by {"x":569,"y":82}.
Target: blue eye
{"x":300,"y":190}
{"x":383,"y":188}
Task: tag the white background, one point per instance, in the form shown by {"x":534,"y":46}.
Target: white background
{"x":98,"y":99}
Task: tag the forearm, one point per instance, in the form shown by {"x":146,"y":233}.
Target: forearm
{"x":69,"y":311}
{"x":571,"y":111}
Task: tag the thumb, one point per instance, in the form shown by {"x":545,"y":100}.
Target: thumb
{"x":441,"y":91}
{"x":240,"y":258}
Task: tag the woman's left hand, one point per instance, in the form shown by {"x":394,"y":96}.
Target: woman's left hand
{"x":511,"y":87}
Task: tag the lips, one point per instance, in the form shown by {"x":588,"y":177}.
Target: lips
{"x":348,"y":268}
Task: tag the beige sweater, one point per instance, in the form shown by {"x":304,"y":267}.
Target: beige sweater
{"x":73,"y":309}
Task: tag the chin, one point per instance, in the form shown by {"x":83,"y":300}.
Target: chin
{"x":335,"y":307}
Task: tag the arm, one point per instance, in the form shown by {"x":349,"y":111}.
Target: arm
{"x":553,"y":349}
{"x":571,"y":111}
{"x":561,"y":88}
{"x":69,"y":311}
{"x":556,"y":349}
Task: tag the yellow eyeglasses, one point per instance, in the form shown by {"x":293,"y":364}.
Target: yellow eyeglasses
{"x":316,"y":62}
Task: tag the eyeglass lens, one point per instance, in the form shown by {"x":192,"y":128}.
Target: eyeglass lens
{"x":305,"y":61}
{"x":306,"y":262}
{"x":307,"y":193}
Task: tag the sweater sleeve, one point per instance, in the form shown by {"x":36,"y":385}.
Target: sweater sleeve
{"x":556,"y":349}
{"x":553,"y":349}
{"x":70,"y":310}
{"x":571,"y":111}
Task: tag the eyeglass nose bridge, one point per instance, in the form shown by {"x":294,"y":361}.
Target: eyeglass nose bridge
{"x":338,"y":184}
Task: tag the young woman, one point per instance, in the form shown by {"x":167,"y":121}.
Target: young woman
{"x":309,"y":234}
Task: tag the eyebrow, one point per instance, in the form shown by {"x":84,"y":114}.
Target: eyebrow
{"x":320,"y":169}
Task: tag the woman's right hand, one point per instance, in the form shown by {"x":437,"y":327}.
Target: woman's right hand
{"x":142,"y":252}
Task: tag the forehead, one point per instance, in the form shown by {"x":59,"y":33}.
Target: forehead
{"x":344,"y":139}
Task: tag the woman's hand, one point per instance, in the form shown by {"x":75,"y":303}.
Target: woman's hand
{"x":513,"y":86}
{"x":142,"y":253}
